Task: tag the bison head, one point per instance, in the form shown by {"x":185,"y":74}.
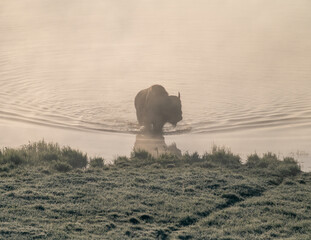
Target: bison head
{"x":174,"y":113}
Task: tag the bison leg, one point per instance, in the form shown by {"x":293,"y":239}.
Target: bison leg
{"x":139,"y":117}
{"x":157,"y":127}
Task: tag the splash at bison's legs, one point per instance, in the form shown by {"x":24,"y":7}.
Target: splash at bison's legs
{"x":152,"y":129}
{"x":146,"y":127}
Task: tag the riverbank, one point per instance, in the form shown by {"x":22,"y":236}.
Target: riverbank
{"x":110,"y":145}
{"x":46,"y":192}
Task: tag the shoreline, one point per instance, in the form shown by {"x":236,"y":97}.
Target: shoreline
{"x":111,"y":145}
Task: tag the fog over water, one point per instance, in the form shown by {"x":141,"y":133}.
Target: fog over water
{"x":242,"y":68}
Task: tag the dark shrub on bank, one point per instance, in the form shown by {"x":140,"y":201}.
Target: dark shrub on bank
{"x":12,"y":156}
{"x":75,"y":158}
{"x":64,"y":159}
{"x":219,"y":157}
{"x":222,"y":156}
{"x":191,"y":158}
{"x":169,"y":158}
{"x":61,"y":166}
{"x":289,"y":167}
{"x":97,"y":162}
{"x":269,"y":161}
{"x":141,"y":154}
{"x":122,"y":161}
{"x":42,"y":153}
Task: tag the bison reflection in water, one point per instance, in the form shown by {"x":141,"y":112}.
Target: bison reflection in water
{"x":154,"y":108}
{"x":155,"y":145}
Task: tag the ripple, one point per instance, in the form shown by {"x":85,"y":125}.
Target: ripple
{"x":55,"y":75}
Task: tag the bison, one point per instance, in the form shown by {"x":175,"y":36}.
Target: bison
{"x":154,"y":108}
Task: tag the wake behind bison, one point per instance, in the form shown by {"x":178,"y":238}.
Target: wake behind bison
{"x":154,"y":108}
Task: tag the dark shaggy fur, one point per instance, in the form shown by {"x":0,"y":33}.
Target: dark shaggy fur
{"x":154,"y":108}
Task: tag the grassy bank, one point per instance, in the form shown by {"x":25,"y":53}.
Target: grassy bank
{"x":46,"y":191}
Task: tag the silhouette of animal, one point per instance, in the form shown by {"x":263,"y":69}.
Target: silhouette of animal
{"x":154,"y":108}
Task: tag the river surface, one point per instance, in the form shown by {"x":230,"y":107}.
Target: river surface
{"x":69,"y":70}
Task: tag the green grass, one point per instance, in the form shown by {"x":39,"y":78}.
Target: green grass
{"x":46,"y":192}
{"x":43,"y":154}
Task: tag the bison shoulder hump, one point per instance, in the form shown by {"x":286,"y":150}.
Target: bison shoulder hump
{"x":158,"y":90}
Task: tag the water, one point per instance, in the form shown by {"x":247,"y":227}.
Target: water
{"x":242,"y":68}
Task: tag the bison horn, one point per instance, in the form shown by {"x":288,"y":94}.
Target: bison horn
{"x":179,"y":95}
